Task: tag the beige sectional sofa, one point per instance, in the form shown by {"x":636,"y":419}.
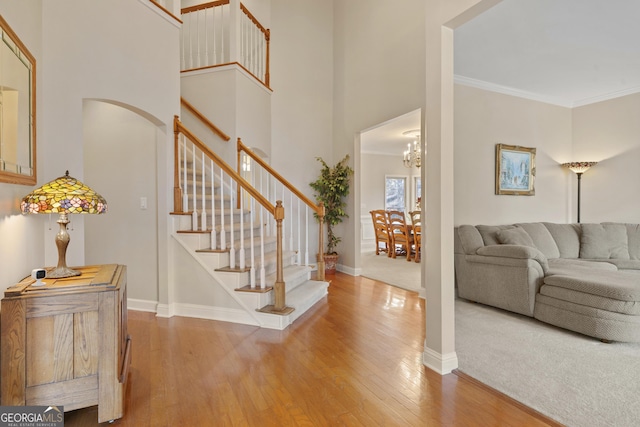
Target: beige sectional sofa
{"x":582,"y":277}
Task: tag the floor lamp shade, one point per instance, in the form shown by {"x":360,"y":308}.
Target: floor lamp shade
{"x":64,"y":195}
{"x":579,"y":168}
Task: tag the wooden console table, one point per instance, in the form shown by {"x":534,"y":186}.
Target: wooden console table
{"x":66,"y":343}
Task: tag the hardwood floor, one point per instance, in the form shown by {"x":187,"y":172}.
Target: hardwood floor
{"x":355,"y":359}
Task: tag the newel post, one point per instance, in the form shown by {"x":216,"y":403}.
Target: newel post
{"x":279,"y":287}
{"x":177,"y":191}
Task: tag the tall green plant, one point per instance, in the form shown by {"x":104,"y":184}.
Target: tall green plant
{"x":331,"y":188}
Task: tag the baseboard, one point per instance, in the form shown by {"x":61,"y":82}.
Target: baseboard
{"x":348,"y":270}
{"x":222,"y":314}
{"x":441,"y":363}
{"x":142,"y":305}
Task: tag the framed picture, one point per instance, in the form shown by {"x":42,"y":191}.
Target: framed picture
{"x":515,"y":170}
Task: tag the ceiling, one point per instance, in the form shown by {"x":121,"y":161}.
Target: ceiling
{"x":563,"y":52}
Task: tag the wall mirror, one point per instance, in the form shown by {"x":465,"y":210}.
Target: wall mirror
{"x":17,"y":110}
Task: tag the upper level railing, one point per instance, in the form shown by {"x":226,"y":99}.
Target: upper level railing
{"x":224,"y":32}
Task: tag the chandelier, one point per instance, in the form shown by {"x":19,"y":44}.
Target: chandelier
{"x":412,"y":156}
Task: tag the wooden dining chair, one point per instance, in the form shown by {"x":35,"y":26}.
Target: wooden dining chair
{"x":416,"y":223}
{"x":399,"y":233}
{"x":383,"y":242}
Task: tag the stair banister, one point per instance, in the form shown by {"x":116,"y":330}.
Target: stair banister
{"x":180,"y":128}
{"x":215,"y":129}
{"x":318,"y":209}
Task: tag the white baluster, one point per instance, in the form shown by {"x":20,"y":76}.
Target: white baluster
{"x":284,"y":228}
{"x":232,"y":243}
{"x":242,"y":254}
{"x":191,"y":15}
{"x":222,"y":60}
{"x":194,"y":213}
{"x":252,"y":222}
{"x":198,"y":37}
{"x":185,"y":188}
{"x":206,"y":39}
{"x":299,"y":250}
{"x":223,"y":233}
{"x":203,"y":214}
{"x":306,"y":235}
{"x":214,"y":243}
{"x":291,"y":221}
{"x":263,"y":275}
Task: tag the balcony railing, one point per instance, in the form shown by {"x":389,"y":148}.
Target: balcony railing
{"x":221,"y":33}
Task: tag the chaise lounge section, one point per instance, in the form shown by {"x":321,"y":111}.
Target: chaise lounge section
{"x":581,"y":277}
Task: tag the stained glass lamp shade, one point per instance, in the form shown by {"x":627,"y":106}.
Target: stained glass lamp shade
{"x":63,"y":195}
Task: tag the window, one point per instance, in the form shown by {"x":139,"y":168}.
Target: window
{"x":395,"y":192}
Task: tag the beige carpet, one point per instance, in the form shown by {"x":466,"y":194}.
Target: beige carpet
{"x":397,"y":272}
{"x":574,"y":379}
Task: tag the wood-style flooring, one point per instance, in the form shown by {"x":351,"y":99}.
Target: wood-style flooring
{"x":354,"y":359}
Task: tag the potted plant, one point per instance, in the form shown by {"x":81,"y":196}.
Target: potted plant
{"x":331,"y":188}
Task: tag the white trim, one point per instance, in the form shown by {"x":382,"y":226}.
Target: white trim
{"x":562,"y":102}
{"x":227,"y":67}
{"x":442,"y":364}
{"x":606,"y":96}
{"x":214,"y":313}
{"x":161,"y":13}
{"x":165,"y":310}
{"x":492,"y":87}
{"x":142,"y":305}
{"x":348,"y":270}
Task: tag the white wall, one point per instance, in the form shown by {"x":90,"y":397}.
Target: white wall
{"x":87,"y":56}
{"x":302,"y":82}
{"x":22,"y":241}
{"x":120,"y":152}
{"x":482,"y":120}
{"x":608,"y":132}
{"x":379,"y":69}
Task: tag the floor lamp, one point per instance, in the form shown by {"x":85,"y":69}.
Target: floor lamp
{"x":579,"y":168}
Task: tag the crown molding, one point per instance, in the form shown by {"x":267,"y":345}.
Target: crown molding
{"x":505,"y":90}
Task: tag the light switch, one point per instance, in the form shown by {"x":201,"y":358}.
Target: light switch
{"x":143,"y":203}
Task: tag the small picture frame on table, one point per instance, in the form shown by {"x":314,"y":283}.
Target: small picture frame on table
{"x":515,"y":170}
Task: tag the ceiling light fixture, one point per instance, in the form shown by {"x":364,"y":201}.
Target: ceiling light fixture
{"x":412,"y":156}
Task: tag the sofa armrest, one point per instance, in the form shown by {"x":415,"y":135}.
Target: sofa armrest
{"x":513,"y":252}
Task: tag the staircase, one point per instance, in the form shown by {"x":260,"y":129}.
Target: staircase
{"x":226,"y":225}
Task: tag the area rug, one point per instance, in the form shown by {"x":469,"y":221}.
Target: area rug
{"x":397,"y":272}
{"x":573,"y":379}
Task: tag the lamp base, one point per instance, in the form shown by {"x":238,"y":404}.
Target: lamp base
{"x":62,"y":272}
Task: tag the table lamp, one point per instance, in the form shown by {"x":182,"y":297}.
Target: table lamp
{"x":63,"y":195}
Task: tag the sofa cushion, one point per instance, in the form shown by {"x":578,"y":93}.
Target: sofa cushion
{"x":604,"y":241}
{"x":470,"y":239}
{"x":514,"y":236}
{"x":567,"y":237}
{"x":618,"y":285}
{"x":488,"y":233}
{"x":633,"y":239}
{"x":542,"y":239}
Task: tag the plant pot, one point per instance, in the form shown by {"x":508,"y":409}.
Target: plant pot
{"x":330,"y":261}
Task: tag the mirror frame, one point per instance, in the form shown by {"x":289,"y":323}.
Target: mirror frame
{"x":12,"y":177}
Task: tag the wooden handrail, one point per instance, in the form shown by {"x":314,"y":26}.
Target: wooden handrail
{"x":215,"y":129}
{"x":204,"y":6}
{"x":165,"y":10}
{"x":316,"y":208}
{"x":178,"y":127}
{"x":253,"y":19}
